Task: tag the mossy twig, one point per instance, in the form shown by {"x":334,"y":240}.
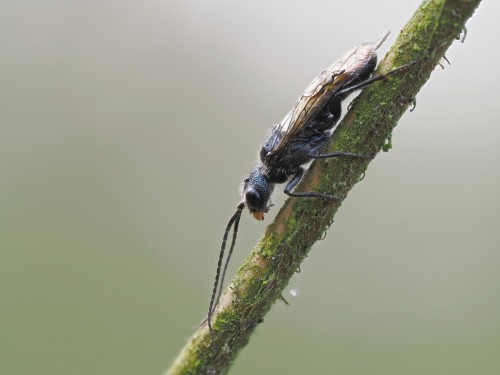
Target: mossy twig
{"x":301,"y":222}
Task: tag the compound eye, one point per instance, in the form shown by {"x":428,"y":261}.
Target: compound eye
{"x":252,"y":197}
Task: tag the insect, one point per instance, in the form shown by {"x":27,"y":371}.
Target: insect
{"x":297,"y":140}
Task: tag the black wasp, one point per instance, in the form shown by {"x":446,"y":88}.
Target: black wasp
{"x":298,"y":139}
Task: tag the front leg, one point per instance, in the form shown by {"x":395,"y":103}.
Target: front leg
{"x":309,"y":194}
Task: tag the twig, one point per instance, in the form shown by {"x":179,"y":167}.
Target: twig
{"x":301,"y":222}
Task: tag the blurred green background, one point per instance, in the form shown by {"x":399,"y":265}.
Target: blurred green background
{"x":125,"y":130}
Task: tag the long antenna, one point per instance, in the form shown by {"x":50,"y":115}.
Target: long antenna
{"x":228,"y":258}
{"x":217,"y":289}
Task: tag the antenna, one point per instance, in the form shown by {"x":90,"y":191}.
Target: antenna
{"x":217,"y":289}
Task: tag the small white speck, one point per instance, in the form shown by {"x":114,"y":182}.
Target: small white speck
{"x":294,"y":292}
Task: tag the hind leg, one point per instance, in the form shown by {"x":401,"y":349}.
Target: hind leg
{"x":307,"y":194}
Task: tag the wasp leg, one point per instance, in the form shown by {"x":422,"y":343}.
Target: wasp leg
{"x":308,"y":194}
{"x":349,"y":89}
{"x":339,"y":154}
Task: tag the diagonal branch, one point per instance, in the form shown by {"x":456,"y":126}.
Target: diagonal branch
{"x":301,"y":222}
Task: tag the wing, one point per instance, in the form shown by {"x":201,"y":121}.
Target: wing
{"x":321,"y":90}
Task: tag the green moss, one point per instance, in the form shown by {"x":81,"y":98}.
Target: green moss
{"x":388,"y":144}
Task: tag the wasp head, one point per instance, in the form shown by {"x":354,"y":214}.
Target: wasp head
{"x":257,"y":193}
